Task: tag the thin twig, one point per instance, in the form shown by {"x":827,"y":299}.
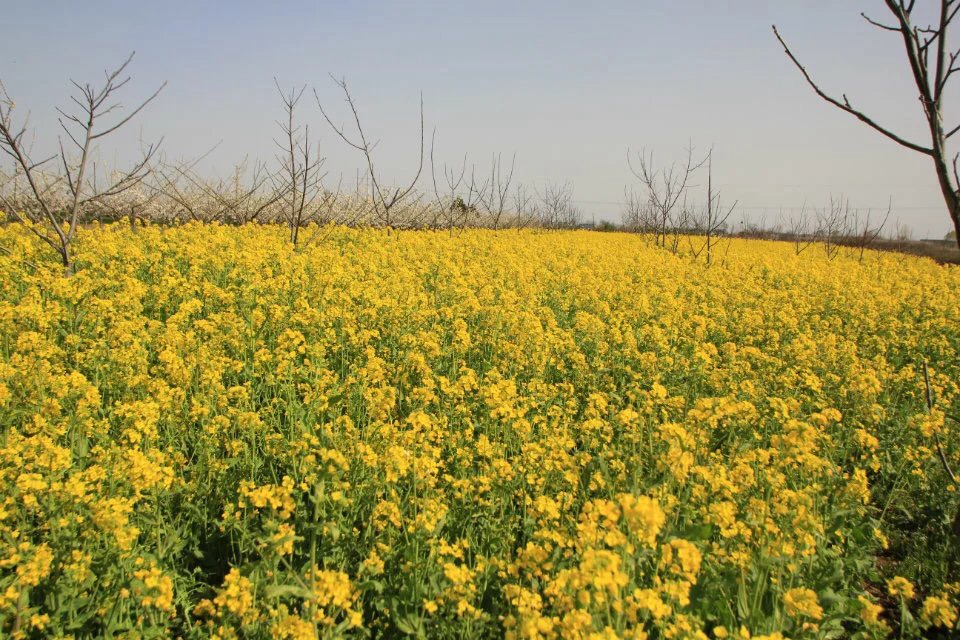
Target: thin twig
{"x":936,"y":436}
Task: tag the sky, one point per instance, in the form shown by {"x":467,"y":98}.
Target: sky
{"x":568,"y":87}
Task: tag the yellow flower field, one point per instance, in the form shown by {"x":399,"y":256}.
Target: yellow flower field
{"x":521,"y":434}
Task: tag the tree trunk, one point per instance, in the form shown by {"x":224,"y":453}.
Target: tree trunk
{"x":65,"y":259}
{"x":950,"y":195}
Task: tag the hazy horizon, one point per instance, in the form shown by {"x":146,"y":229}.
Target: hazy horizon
{"x":566,"y":88}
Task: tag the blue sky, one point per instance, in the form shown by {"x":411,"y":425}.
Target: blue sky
{"x":567,"y":86}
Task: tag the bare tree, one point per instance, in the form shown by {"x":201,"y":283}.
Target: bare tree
{"x":833,"y":224}
{"x":902,"y":235}
{"x":176,"y":181}
{"x":800,"y":232}
{"x":555,"y":207}
{"x":776,"y":230}
{"x":525,"y":209}
{"x":932,"y":64}
{"x":638,"y":213}
{"x":134,"y":204}
{"x":632,"y":213}
{"x":713,"y":219}
{"x":460,"y":196}
{"x":666,"y":193}
{"x":57,"y":226}
{"x":863,"y":234}
{"x":679,"y":225}
{"x":299,"y":180}
{"x":244,"y":197}
{"x":498,"y":194}
{"x":755,"y":226}
{"x":386,"y":200}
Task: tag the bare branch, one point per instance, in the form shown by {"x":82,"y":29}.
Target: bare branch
{"x":129,"y":117}
{"x":846,"y":106}
{"x":385,"y":200}
{"x":879,"y":25}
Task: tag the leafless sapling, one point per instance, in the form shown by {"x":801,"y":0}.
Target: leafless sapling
{"x":84,"y":128}
{"x":299,"y":181}
{"x":864,"y":233}
{"x":800,"y":232}
{"x":833,"y":224}
{"x":712,"y":220}
{"x":902,"y":236}
{"x":459,"y":196}
{"x":525,"y":210}
{"x":556,"y":208}
{"x":498,"y":193}
{"x":386,"y":200}
{"x":666,"y":191}
{"x":638,"y":214}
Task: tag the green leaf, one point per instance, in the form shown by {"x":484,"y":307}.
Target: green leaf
{"x":410,"y":625}
{"x":698,"y":532}
{"x":287,"y":591}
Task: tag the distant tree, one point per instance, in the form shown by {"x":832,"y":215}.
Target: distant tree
{"x":799,"y":230}
{"x":243,"y":197}
{"x":526,"y":209}
{"x":387,"y":200}
{"x":863,"y":232}
{"x":450,"y":202}
{"x":665,"y":208}
{"x":951,"y":236}
{"x":556,"y":208}
{"x":637,"y":214}
{"x":712,"y":220}
{"x":833,"y":224}
{"x":932,"y":63}
{"x":495,"y":204}
{"x":299,"y":182}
